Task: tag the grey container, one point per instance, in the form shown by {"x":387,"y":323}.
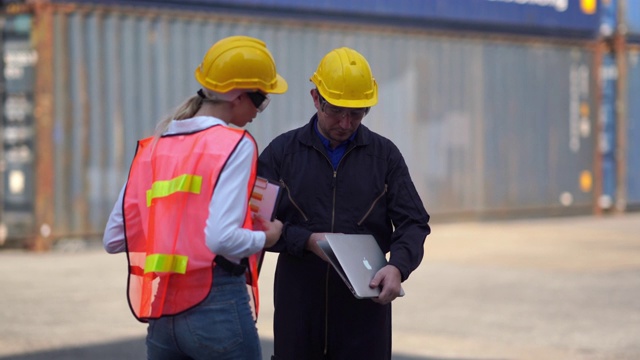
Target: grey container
{"x":489,"y":126}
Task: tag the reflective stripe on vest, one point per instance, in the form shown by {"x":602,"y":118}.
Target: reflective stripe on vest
{"x":166,"y":206}
{"x":184,"y":183}
{"x":166,"y":263}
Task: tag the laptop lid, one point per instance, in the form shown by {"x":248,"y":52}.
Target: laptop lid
{"x":356,"y":258}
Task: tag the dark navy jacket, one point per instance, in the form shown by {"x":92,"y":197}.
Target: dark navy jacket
{"x":370,"y":192}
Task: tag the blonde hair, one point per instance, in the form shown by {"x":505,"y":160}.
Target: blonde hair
{"x":186,"y":110}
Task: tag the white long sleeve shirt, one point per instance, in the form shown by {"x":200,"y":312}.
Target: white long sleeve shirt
{"x":223,"y":230}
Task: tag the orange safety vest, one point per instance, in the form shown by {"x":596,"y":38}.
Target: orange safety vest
{"x":166,"y":205}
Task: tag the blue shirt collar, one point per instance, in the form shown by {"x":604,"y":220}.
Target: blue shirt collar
{"x":335,"y":155}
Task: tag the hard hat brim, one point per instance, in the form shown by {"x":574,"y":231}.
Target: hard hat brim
{"x":335,"y":100}
{"x":281,"y":86}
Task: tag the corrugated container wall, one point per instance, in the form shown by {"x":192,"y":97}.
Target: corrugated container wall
{"x":608,"y":143}
{"x":558,"y":18}
{"x":633,"y":127}
{"x":486,"y":126}
{"x":632,"y":12}
{"x":17,"y":128}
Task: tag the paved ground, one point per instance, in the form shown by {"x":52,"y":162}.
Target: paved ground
{"x":565,"y":288}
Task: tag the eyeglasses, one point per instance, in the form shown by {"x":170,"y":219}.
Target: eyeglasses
{"x":259,"y":100}
{"x":341,"y":112}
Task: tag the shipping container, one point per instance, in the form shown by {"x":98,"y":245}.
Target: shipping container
{"x":632,"y":19}
{"x":17,"y":133}
{"x":621,"y":12}
{"x":489,"y":126}
{"x":609,"y":17}
{"x":562,"y":18}
{"x":607,"y":142}
{"x":633,"y":130}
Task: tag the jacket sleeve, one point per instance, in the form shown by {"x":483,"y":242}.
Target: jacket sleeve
{"x":409,"y":217}
{"x":294,"y":238}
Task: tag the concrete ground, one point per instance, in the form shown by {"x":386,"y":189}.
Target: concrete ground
{"x":560,"y":288}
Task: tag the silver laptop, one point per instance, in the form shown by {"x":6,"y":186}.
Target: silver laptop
{"x":356,"y":258}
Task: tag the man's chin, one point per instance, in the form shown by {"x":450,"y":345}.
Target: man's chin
{"x":341,"y":137}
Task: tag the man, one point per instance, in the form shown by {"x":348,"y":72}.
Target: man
{"x":339,"y":177}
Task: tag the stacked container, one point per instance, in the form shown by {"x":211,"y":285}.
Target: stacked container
{"x":494,"y":103}
{"x":631,"y":133}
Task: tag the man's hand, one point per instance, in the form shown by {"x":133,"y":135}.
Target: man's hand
{"x":389,"y":279}
{"x":312,"y":245}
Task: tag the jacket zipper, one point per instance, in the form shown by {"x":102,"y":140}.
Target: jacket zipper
{"x":326,"y":290}
{"x":333,"y":218}
{"x":372,"y":205}
{"x":326,"y":310}
{"x":333,"y":207}
{"x":326,"y":283}
{"x":335,"y":177}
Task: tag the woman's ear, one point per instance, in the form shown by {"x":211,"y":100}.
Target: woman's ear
{"x":235,"y":102}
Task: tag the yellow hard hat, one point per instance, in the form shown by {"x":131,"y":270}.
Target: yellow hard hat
{"x":240,"y":62}
{"x":344,"y":79}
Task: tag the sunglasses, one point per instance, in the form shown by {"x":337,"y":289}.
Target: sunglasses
{"x":259,"y":100}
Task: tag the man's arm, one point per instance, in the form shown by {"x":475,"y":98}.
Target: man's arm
{"x":409,"y":217}
{"x":294,"y":238}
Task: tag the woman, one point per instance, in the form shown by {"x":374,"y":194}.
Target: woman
{"x":183,"y":216}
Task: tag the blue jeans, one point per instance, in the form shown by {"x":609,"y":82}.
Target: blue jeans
{"x":220,"y":328}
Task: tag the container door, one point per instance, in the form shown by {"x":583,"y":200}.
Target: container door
{"x":17,"y":161}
